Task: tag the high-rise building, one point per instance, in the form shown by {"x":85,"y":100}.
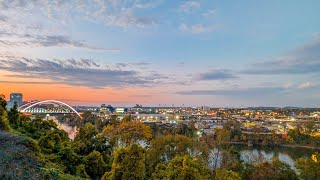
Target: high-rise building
{"x":15,"y":97}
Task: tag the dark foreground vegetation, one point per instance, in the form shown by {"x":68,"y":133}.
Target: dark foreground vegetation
{"x":114,"y":149}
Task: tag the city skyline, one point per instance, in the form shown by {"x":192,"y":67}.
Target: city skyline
{"x":213,"y":53}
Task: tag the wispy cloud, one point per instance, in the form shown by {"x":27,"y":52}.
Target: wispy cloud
{"x":26,"y":82}
{"x":189,"y":6}
{"x":81,"y":72}
{"x":10,"y":39}
{"x":303,"y":60}
{"x":218,"y":74}
{"x":307,"y":85}
{"x":197,"y":28}
{"x":47,"y":22}
{"x":235,"y":92}
{"x":110,"y":12}
{"x":209,"y":13}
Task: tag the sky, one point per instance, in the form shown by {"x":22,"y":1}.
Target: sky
{"x":162,"y":52}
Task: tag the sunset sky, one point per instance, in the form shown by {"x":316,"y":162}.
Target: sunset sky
{"x":168,"y":52}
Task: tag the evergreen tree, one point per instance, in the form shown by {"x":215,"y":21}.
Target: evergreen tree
{"x":95,"y":165}
{"x":4,"y":122}
{"x":13,"y":116}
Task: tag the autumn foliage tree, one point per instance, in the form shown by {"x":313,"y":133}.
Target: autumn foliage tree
{"x":127,"y":133}
{"x":309,"y":168}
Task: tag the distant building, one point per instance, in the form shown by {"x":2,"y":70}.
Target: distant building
{"x":15,"y":97}
{"x":105,"y":108}
{"x":120,"y":110}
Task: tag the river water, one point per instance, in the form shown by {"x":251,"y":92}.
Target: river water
{"x":286,"y":154}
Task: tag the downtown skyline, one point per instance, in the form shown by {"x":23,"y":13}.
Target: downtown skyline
{"x":124,"y":52}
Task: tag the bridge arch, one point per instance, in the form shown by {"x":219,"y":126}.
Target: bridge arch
{"x":32,"y":104}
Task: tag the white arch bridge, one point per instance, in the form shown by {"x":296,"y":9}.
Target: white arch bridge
{"x":62,"y":109}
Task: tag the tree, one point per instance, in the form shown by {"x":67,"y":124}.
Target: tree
{"x":128,"y":132}
{"x":4,"y":122}
{"x":128,"y":163}
{"x":165,"y":148}
{"x":88,"y":117}
{"x":222,"y":136}
{"x":81,"y":172}
{"x":276,"y":170}
{"x":309,"y":168}
{"x":50,"y":143}
{"x":13,"y":116}
{"x":95,"y":165}
{"x":310,"y":127}
{"x":186,"y":130}
{"x":127,"y":118}
{"x":160,"y":172}
{"x":37,"y":128}
{"x":231,"y":160}
{"x":205,"y":145}
{"x":3,"y":102}
{"x":223,"y":174}
{"x":70,"y":160}
{"x":88,"y":139}
{"x":185,"y":167}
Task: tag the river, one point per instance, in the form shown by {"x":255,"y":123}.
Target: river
{"x":260,"y":153}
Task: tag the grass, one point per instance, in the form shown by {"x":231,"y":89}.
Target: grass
{"x":18,"y":157}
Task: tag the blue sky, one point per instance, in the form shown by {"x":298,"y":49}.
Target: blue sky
{"x":192,"y":52}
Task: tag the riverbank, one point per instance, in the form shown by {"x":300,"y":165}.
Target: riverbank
{"x":283,"y":145}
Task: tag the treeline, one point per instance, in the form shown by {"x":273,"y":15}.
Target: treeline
{"x":302,"y":135}
{"x":127,"y":149}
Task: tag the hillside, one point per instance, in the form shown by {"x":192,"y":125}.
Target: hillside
{"x":18,"y":157}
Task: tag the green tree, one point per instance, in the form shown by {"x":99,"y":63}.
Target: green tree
{"x":13,"y":116}
{"x":69,"y":159}
{"x":188,"y":130}
{"x":128,"y":163}
{"x":310,"y":127}
{"x":95,"y":165}
{"x":309,"y":168}
{"x":81,"y":172}
{"x":50,"y":143}
{"x":223,"y":174}
{"x":88,"y":139}
{"x":160,"y":172}
{"x":37,"y":128}
{"x":4,"y":122}
{"x":88,"y":117}
{"x":165,"y":148}
{"x":185,"y":167}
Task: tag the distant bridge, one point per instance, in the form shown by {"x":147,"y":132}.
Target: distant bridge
{"x":31,"y":108}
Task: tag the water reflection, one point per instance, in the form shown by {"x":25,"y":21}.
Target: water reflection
{"x":286,"y":154}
